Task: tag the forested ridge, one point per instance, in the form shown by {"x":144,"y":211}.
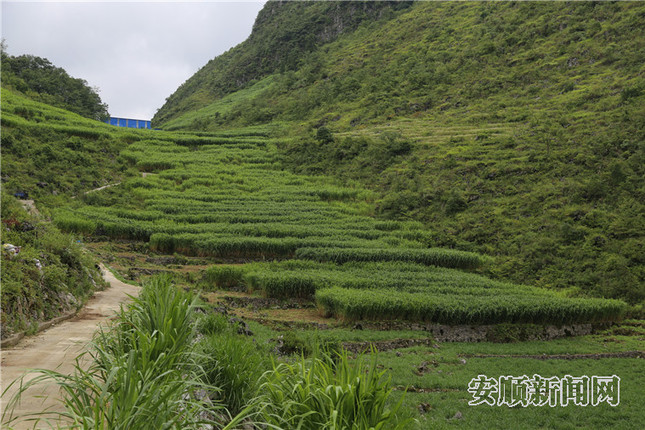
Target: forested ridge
{"x":41,"y":80}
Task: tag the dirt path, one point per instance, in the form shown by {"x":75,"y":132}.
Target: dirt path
{"x":57,"y":347}
{"x":29,"y":206}
{"x":103,"y":187}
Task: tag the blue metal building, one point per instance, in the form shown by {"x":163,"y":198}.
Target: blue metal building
{"x":128,"y":122}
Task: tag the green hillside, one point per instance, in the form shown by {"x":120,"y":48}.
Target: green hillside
{"x":48,"y":155}
{"x":284,"y":33}
{"x":41,"y":80}
{"x":51,"y":274}
{"x":227,"y":200}
{"x":310,"y":267}
{"x":48,"y":152}
{"x":511,"y":129}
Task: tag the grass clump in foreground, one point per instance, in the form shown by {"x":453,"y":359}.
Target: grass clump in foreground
{"x":150,"y":370}
{"x":329,"y":392}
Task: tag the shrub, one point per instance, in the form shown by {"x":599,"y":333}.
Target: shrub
{"x":212,"y":323}
{"x":224,"y":276}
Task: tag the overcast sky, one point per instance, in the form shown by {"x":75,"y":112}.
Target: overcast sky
{"x":136,"y":53}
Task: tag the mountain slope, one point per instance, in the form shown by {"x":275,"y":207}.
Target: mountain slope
{"x":283,"y":33}
{"x":514,"y":129}
{"x":48,"y":151}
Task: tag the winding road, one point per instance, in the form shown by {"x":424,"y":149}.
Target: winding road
{"x":56,"y":349}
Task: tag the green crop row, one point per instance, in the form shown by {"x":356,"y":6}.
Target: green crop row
{"x":245,"y":247}
{"x":355,"y":304}
{"x":302,"y":278}
{"x":115,"y":228}
{"x":434,"y":256}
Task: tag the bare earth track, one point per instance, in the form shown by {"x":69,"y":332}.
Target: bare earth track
{"x":57,"y":348}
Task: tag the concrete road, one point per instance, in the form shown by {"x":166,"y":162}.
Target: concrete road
{"x":56,"y":349}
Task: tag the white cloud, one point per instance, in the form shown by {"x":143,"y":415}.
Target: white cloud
{"x":136,"y":53}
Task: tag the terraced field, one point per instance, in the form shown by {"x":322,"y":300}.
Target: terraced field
{"x":228,"y":199}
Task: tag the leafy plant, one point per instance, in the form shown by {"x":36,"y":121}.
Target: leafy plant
{"x":328,"y":391}
{"x":233,"y":364}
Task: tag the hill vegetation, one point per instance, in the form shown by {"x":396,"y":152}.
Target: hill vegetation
{"x":513,"y":129}
{"x":225,"y":198}
{"x":229,"y":201}
{"x":52,"y":149}
{"x":49,"y":155}
{"x":39,"y":79}
{"x":45,"y":273}
{"x":48,"y":152}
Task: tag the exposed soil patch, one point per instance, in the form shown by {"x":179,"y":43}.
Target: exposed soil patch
{"x":413,"y":389}
{"x":282,"y":325}
{"x":245,"y":301}
{"x":296,"y":316}
{"x":425,"y":367}
{"x":29,"y":206}
{"x":137,"y":272}
{"x":162,"y":260}
{"x":191,"y":268}
{"x":103,"y":187}
{"x":284,"y":313}
{"x":386,"y":345}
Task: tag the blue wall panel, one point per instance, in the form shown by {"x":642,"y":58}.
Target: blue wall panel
{"x":130,"y":123}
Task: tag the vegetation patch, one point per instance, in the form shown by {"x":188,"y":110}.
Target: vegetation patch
{"x":45,"y":273}
{"x":430,"y":257}
{"x":354,"y":304}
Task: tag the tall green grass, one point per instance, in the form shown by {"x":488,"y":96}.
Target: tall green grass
{"x":235,"y":365}
{"x":149,"y":372}
{"x":329,"y":392}
{"x":435,"y":256}
{"x":354,"y":304}
{"x":301,"y":278}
